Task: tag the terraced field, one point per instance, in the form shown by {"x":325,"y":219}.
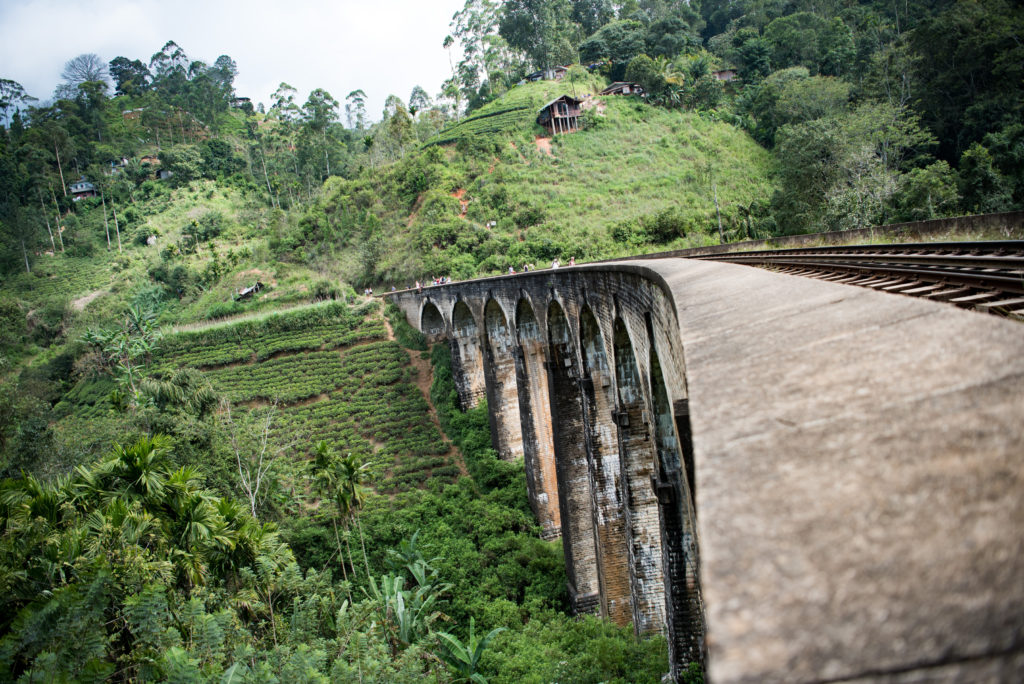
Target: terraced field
{"x":334,"y":376}
{"x":66,"y":276}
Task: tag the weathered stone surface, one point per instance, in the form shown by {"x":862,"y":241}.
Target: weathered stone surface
{"x":859,"y":476}
{"x":1001,"y":668}
{"x":857,"y":461}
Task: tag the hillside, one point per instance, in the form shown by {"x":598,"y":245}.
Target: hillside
{"x":495,"y":190}
{"x":219,"y":463}
{"x":330,"y":372}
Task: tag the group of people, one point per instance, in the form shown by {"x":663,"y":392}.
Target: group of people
{"x":555,"y":263}
{"x":530,"y":267}
{"x":443,"y":280}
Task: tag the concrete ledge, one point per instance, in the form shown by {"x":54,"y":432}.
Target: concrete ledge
{"x":860,"y":497}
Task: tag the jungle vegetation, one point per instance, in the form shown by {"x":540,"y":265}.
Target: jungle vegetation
{"x":198,"y":485}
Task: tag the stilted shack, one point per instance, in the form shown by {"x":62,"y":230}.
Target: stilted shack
{"x":561,"y":115}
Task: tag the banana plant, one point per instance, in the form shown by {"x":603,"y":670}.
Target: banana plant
{"x":404,"y":615}
{"x":464,"y":658}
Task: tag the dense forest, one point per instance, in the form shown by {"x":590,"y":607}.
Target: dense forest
{"x":201,"y":484}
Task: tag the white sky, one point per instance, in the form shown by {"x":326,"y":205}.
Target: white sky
{"x":382,"y":46}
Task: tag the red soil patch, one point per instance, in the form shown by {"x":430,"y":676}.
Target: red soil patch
{"x":543,"y":145}
{"x":464,"y":203}
{"x":415,"y":210}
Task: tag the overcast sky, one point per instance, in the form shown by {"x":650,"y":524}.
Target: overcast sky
{"x":382,"y":46}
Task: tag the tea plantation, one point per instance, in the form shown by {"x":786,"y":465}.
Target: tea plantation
{"x":333,"y":376}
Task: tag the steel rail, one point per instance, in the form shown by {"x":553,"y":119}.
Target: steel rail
{"x":985,"y":247}
{"x":981,"y":275}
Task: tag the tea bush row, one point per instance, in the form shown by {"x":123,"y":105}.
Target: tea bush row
{"x":253,"y":329}
{"x":284,"y":379}
{"x":321,"y":337}
{"x":374,"y":403}
{"x":495,"y":122}
{"x":61,"y":278}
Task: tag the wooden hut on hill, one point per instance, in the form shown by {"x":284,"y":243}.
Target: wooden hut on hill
{"x":623,"y":88}
{"x":561,"y":115}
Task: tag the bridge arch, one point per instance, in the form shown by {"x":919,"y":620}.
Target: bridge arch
{"x":535,"y":415}
{"x":598,"y":390}
{"x":569,"y":432}
{"x":636,"y":457}
{"x":677,"y":520}
{"x":500,"y":375}
{"x":432,"y":323}
{"x":467,"y":356}
{"x":527,"y":326}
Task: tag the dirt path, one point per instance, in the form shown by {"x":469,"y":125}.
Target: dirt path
{"x":82,"y":302}
{"x":544,"y":145}
{"x":415,"y":209}
{"x":202,"y":325}
{"x":423,"y":379}
{"x":460,"y":195}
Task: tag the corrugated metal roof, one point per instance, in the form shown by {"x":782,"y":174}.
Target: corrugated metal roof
{"x":568,"y":98}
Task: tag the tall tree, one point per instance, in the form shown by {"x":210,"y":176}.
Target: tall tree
{"x":224,"y":71}
{"x":131,"y":77}
{"x":592,"y":14}
{"x":355,"y":109}
{"x":12,"y":94}
{"x":284,"y":107}
{"x":969,"y":71}
{"x":543,"y":29}
{"x":171,"y":59}
{"x":319,"y":112}
{"x":419,"y":101}
{"x":82,"y":69}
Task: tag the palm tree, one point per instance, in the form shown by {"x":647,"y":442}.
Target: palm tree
{"x":353,"y":470}
{"x":142,"y":466}
{"x":325,"y":482}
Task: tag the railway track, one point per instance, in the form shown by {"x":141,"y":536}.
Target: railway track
{"x":985,"y":276}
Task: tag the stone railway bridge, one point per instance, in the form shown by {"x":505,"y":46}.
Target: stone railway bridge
{"x":792,"y":479}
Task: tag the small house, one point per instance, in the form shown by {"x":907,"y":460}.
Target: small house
{"x":558,"y":73}
{"x":81,"y":189}
{"x":725,"y":75}
{"x":248,"y":292}
{"x":623,"y":88}
{"x":561,"y":115}
{"x":553,"y":74}
{"x":117,"y":166}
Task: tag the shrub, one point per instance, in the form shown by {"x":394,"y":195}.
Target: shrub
{"x":405,"y":334}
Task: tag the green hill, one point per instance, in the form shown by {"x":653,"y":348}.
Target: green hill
{"x":494,"y":191}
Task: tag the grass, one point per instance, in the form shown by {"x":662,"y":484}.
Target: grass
{"x":515,"y":111}
{"x":630,"y":162}
{"x":644,"y":160}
